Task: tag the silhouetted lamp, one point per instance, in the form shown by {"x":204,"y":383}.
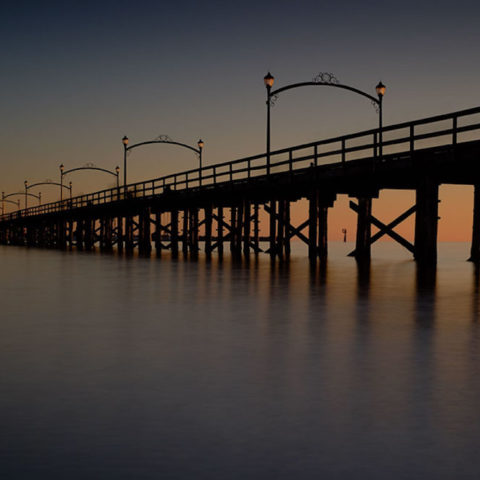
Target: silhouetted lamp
{"x":268,"y":80}
{"x":26,"y":194}
{"x":125,"y":143}
{"x":62,"y":168}
{"x":117,"y":169}
{"x":200,"y":148}
{"x":380,"y":88}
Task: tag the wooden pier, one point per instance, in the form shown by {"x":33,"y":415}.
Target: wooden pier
{"x":225,"y":203}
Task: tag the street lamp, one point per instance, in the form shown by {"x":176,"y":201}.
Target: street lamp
{"x":200,"y":144}
{"x":62,"y":168}
{"x":125,"y":147}
{"x":26,"y":193}
{"x":380,"y":88}
{"x":328,"y":80}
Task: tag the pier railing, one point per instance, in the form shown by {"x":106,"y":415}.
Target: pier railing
{"x":403,"y":138}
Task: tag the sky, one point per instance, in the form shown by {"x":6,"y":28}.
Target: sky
{"x":77,"y":76}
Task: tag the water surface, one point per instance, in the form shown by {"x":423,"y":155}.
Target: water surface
{"x":116,"y":368}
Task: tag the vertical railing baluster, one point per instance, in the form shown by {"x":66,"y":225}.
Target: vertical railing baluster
{"x":454,"y":135}
{"x":231,"y":172}
{"x":315,"y":155}
{"x":412,"y":138}
{"x":343,"y":150}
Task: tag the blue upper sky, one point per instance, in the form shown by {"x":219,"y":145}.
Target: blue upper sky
{"x":77,"y":76}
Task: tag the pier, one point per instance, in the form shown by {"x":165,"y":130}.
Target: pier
{"x":218,"y":206}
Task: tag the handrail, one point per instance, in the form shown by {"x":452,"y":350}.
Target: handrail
{"x":255,"y":166}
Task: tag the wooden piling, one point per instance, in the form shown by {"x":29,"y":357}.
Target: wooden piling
{"x":312,"y":226}
{"x":475,"y":247}
{"x":185,"y":232}
{"x":129,"y":241}
{"x":208,"y":230}
{"x":220,"y":230}
{"x":273,"y":212}
{"x":174,"y":233}
{"x":426,"y":221}
{"x":120,"y":233}
{"x":322,"y":248}
{"x":246,"y":227}
{"x":158,"y":233}
{"x":362,"y":249}
{"x":256,"y":228}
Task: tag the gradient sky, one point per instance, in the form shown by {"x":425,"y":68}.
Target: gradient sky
{"x":77,"y":76}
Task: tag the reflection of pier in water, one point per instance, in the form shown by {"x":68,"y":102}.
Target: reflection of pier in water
{"x":229,"y":203}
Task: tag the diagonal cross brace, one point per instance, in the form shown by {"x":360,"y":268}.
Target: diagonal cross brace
{"x":229,"y":235}
{"x":292,"y":231}
{"x":387,"y":229}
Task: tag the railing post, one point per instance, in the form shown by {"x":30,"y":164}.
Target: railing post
{"x":412,"y":138}
{"x":343,"y":150}
{"x":231,"y":173}
{"x":290,"y":160}
{"x":248,"y":168}
{"x":315,"y":155}
{"x":214,"y":175}
{"x":454,"y":135}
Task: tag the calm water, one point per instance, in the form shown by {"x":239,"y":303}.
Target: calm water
{"x":116,"y":368}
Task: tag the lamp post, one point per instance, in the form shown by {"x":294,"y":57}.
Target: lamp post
{"x":125,"y":148}
{"x":380,"y":88}
{"x":327,"y":80}
{"x":268,"y":80}
{"x":62,"y":168}
{"x":200,"y":149}
{"x":26,"y":193}
{"x":117,"y":171}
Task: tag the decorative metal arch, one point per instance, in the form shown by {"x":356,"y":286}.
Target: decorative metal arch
{"x":167,"y":140}
{"x":327,"y":80}
{"x":90,"y":167}
{"x":322,"y":79}
{"x":38,"y":197}
{"x":48,"y":182}
{"x":160,"y":139}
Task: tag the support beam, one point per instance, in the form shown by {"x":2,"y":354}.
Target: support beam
{"x":185,"y":232}
{"x":426,"y":222}
{"x":174,"y":233}
{"x":219,"y":219}
{"x":273,"y":215}
{"x":322,"y":246}
{"x":475,"y":248}
{"x":208,"y":230}
{"x":362,"y":250}
{"x":312,"y":226}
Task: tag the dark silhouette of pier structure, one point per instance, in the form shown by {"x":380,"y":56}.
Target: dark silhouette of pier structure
{"x":219,"y":205}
